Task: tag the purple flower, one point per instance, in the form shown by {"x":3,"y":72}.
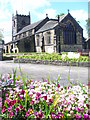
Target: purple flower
{"x":86,"y":117}
{"x":77,"y":117}
{"x":78,"y":109}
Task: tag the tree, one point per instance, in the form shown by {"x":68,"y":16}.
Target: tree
{"x":61,"y":14}
{"x":88,"y":26}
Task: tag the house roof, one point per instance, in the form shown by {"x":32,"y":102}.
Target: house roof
{"x":29,"y":27}
{"x":49,"y":25}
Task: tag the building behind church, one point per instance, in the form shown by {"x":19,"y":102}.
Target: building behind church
{"x":46,"y":35}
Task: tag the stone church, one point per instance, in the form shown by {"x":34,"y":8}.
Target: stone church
{"x":46,"y":35}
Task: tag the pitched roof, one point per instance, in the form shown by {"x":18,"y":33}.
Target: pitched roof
{"x":49,"y":25}
{"x":29,"y":27}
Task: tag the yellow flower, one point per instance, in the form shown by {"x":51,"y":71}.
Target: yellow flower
{"x":30,"y":111}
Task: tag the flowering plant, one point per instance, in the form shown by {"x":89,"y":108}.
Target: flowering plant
{"x":43,"y":99}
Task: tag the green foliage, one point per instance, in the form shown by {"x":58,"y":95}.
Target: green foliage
{"x":61,"y":14}
{"x":53,"y":57}
{"x":88,"y":26}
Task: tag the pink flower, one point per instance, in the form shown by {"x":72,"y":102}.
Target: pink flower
{"x":32,"y":102}
{"x":7,"y":101}
{"x":20,"y":96}
{"x":38,"y":95}
{"x":7,"y":95}
{"x":9,"y":109}
{"x":3,"y":110}
{"x":10,"y":115}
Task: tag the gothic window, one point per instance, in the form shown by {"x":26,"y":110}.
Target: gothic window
{"x":14,"y":23}
{"x":69,"y":34}
{"x":38,"y":43}
{"x":48,"y":38}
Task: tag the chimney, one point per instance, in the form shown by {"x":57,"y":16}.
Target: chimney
{"x":58,"y":18}
{"x":16,"y":12}
{"x":30,"y":17}
{"x":46,"y":15}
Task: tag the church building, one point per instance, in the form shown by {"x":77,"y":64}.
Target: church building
{"x":47,"y":35}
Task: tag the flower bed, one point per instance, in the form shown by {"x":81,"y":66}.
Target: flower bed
{"x":69,"y":57}
{"x":42,"y":99}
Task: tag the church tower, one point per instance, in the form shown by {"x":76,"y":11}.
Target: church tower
{"x":19,"y":21}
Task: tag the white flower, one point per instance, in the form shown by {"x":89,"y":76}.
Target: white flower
{"x":72,"y":55}
{"x":73,"y":108}
{"x":63,"y":56}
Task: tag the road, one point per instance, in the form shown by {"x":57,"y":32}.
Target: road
{"x":39,"y":72}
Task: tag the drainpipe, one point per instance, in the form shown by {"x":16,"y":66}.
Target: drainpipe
{"x":59,"y":35}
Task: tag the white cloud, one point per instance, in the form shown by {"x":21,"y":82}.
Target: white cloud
{"x":51,"y":13}
{"x":8,"y":7}
{"x":79,"y":14}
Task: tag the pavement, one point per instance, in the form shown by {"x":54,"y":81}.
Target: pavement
{"x":39,"y":72}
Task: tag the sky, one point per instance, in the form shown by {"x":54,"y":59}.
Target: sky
{"x":38,"y":10}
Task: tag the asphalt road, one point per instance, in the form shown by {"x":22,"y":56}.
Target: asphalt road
{"x":39,"y":72}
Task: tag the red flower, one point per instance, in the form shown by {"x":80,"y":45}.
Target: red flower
{"x":45,"y":98}
{"x":50,"y":101}
{"x":22,"y":92}
{"x":58,"y":85}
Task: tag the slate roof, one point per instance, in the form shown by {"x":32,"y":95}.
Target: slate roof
{"x":49,"y":25}
{"x":29,"y":27}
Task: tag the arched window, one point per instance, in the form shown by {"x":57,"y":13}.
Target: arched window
{"x":48,"y":38}
{"x":69,"y":34}
{"x":14,"y":23}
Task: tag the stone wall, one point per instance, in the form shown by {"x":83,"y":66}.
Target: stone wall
{"x":48,"y":47}
{"x":73,"y":48}
{"x":47,"y":62}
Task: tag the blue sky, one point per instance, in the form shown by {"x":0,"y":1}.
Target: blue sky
{"x":38,"y":10}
